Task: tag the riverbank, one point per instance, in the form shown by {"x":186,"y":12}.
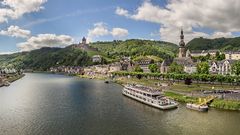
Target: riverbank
{"x":180,"y":92}
{"x":10,"y":78}
{"x":177,"y":91}
{"x":14,"y":78}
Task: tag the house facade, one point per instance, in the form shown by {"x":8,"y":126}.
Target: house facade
{"x":232,"y":55}
{"x":223,"y":67}
{"x":97,"y":59}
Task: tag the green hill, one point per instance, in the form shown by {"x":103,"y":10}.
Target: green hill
{"x":218,"y":43}
{"x":44,"y":58}
{"x":135,"y":48}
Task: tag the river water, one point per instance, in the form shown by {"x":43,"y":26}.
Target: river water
{"x":47,"y":104}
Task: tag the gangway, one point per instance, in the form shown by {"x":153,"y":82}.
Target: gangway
{"x":205,"y":101}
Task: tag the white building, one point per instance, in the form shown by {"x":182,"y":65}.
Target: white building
{"x":230,"y":55}
{"x":223,"y":67}
{"x":96,"y":58}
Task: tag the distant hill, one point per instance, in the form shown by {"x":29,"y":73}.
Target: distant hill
{"x":44,"y":58}
{"x":232,"y":44}
{"x":136,"y":47}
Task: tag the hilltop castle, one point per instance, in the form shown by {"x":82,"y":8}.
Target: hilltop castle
{"x":85,"y":46}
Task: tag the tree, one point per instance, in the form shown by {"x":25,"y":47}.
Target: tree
{"x":219,"y":56}
{"x":153,"y":68}
{"x":175,"y":68}
{"x":138,"y":69}
{"x":236,"y":68}
{"x":188,"y":81}
{"x":208,"y":56}
{"x":203,"y":68}
{"x":139,"y":76}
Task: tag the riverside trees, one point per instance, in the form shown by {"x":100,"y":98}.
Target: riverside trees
{"x":204,"y":78}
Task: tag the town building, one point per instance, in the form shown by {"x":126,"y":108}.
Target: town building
{"x":114,"y":67}
{"x":164,"y":67}
{"x":223,"y":67}
{"x":198,"y":53}
{"x":97,"y":59}
{"x":144,"y":63}
{"x":232,"y":55}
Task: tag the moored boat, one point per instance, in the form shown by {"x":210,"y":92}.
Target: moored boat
{"x":197,"y":107}
{"x":149,"y":96}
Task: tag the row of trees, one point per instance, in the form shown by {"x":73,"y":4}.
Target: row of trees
{"x":202,"y":68}
{"x":178,"y":77}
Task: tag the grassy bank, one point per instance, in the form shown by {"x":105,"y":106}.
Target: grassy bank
{"x":180,"y":87}
{"x":226,"y":104}
{"x":93,"y":77}
{"x":217,"y":103}
{"x":177,"y":86}
{"x":180,"y":98}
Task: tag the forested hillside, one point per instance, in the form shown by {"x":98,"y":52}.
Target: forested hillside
{"x":135,"y":48}
{"x":44,"y":58}
{"x":218,"y":43}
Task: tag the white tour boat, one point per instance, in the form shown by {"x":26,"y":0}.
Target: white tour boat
{"x":149,"y":96}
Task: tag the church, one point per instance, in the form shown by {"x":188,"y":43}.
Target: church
{"x":184,"y":58}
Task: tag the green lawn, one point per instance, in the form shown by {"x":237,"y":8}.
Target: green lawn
{"x":194,"y":87}
{"x":181,"y":87}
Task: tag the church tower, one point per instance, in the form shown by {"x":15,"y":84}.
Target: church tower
{"x":84,"y":40}
{"x":182,"y":48}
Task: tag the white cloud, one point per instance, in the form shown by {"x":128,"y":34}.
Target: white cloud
{"x":100,"y":29}
{"x":222,"y":34}
{"x":119,"y":32}
{"x":45,"y":40}
{"x":6,"y":53}
{"x":121,"y":11}
{"x":222,"y":16}
{"x":14,"y":9}
{"x":15,"y":31}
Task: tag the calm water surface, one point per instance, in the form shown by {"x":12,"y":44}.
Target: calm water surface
{"x":45,"y":104}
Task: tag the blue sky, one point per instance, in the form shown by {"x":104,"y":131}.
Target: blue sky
{"x":144,"y":19}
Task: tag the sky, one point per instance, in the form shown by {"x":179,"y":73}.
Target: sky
{"x":31,"y":24}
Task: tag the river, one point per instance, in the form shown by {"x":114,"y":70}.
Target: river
{"x":48,"y":104}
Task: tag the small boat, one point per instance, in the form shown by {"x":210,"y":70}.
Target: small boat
{"x":197,"y":107}
{"x":106,"y":82}
{"x":149,"y":96}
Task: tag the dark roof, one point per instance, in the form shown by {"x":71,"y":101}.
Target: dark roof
{"x":184,"y":61}
{"x":166,"y":63}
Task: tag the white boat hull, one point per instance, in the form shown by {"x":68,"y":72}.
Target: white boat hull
{"x":197,"y":107}
{"x":152,"y":102}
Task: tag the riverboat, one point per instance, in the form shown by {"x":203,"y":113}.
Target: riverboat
{"x":149,"y":96}
{"x":197,"y":107}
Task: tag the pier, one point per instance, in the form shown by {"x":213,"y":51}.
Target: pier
{"x":207,"y":100}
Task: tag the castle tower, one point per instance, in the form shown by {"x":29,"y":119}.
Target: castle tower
{"x":182,"y":48}
{"x":84,"y":40}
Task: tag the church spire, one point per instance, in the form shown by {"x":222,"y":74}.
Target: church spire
{"x":182,"y":49}
{"x":182,"y":43}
